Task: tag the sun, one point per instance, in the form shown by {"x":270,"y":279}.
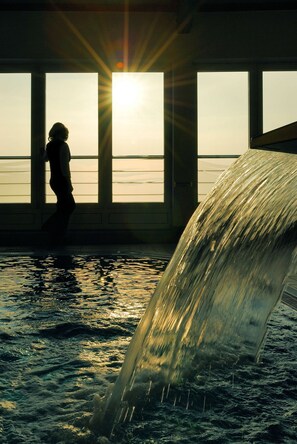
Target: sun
{"x":126,"y":90}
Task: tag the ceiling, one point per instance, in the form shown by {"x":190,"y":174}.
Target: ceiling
{"x":147,"y":5}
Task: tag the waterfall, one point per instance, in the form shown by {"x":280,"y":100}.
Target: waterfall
{"x":224,"y":279}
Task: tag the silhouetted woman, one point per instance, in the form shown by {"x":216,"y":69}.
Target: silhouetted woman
{"x":58,"y":154}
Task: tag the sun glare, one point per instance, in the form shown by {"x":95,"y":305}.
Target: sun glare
{"x":126,"y":91}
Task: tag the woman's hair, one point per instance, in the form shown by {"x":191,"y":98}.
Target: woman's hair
{"x":58,"y":131}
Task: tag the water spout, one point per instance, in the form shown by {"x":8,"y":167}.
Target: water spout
{"x":224,"y":279}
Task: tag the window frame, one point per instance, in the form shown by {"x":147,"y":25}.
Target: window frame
{"x":38,"y":73}
{"x":76,"y":156}
{"x":140,"y":156}
{"x":255,"y":86}
{"x":38,"y":70}
{"x":221,"y":69}
{"x":28,"y":157}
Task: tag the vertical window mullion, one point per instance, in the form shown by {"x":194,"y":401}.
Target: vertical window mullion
{"x":168,"y":138}
{"x":105,"y":141}
{"x":255,"y":103}
{"x":37,"y":138}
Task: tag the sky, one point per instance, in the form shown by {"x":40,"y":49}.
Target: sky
{"x":137,"y":124}
{"x":279,"y":99}
{"x":222,"y":113}
{"x":15,"y":109}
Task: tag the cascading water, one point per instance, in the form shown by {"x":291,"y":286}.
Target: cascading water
{"x":224,"y":279}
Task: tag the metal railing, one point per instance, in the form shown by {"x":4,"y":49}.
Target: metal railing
{"x":208,"y":175}
{"x":130,"y":182}
{"x":135,"y":183}
{"x":15,"y":183}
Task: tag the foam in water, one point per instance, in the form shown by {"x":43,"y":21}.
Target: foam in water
{"x":223,"y":281}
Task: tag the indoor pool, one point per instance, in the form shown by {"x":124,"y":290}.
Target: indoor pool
{"x":66,"y":322}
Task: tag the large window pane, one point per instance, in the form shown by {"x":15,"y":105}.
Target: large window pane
{"x":138,"y":180}
{"x":72,"y":98}
{"x":15,"y":181}
{"x":138,"y":137}
{"x":279,"y":99}
{"x":15,"y":144}
{"x":222,"y":124}
{"x":222,"y":112}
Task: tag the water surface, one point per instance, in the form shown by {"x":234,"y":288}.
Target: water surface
{"x":65,"y":325}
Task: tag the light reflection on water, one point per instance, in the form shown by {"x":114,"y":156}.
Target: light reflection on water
{"x":65,"y":324}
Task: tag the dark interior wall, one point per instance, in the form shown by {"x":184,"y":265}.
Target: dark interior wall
{"x":152,"y":37}
{"x":248,"y":35}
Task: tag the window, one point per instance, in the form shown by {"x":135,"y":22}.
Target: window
{"x":279,"y":99}
{"x":72,"y":98}
{"x":138,"y":137}
{"x":222,"y":124}
{"x":15,"y":145}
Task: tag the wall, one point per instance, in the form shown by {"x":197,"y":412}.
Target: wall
{"x":238,"y":35}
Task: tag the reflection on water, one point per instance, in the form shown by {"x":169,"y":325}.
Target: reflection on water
{"x":65,"y":324}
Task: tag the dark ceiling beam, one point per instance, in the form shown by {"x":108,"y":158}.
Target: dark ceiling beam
{"x":247,"y":5}
{"x":89,"y":5}
{"x":185,"y":14}
{"x":147,"y":5}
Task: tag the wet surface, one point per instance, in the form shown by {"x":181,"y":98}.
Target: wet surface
{"x":65,"y":324}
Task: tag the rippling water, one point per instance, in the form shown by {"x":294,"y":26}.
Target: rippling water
{"x":65,"y":325}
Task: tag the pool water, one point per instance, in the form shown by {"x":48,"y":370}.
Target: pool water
{"x":65,"y":324}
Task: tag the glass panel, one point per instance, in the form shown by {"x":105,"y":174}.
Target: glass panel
{"x":15,"y":113}
{"x":138,"y":180}
{"x":84,"y":175}
{"x":137,"y":130}
{"x":72,"y":98}
{"x":15,"y":178}
{"x":279,"y":99}
{"x":222,"y":122}
{"x":209,"y":171}
{"x":223,"y":113}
